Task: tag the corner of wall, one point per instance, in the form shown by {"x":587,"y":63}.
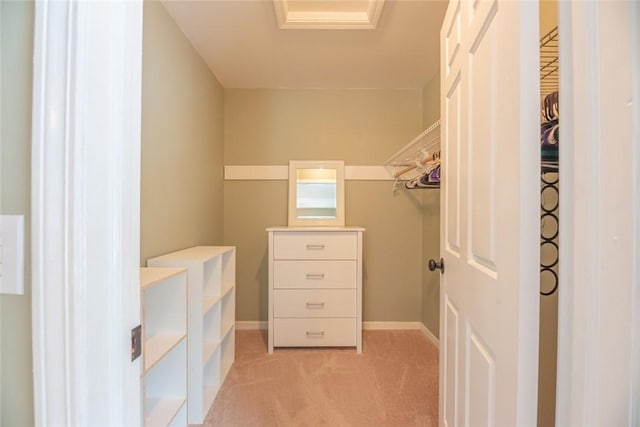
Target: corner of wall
{"x":182,"y":142}
{"x":430,"y":314}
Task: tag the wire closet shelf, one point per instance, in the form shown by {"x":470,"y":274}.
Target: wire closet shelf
{"x":549,"y":65}
{"x":420,"y":154}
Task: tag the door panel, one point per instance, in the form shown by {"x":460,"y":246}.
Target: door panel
{"x":480,"y":368}
{"x":490,"y":201}
{"x":448,"y":395}
{"x":481,"y":146}
{"x":452,"y":172}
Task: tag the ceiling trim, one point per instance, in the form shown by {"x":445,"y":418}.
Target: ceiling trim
{"x":324,"y":19}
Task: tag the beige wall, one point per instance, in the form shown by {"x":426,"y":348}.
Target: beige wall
{"x":272,"y":126}
{"x":431,"y":101}
{"x":431,"y":220}
{"x":548,"y":15}
{"x":361,"y":127}
{"x":16,"y":392}
{"x":182,"y":142}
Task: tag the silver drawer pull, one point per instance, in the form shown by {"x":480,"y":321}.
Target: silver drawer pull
{"x":315,"y":247}
{"x":315,"y":334}
{"x":315,"y":276}
{"x":315,"y":305}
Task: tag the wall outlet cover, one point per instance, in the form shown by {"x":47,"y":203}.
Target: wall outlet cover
{"x":12,"y":254}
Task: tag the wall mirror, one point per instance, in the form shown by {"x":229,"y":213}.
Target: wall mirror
{"x":316,"y":193}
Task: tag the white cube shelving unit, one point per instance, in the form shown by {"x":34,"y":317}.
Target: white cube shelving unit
{"x":164,"y":335}
{"x":212,"y":301}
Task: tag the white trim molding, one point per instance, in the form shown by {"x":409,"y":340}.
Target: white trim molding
{"x":365,"y":18}
{"x":598,"y":381}
{"x":252,"y":325}
{"x":85,"y":212}
{"x":398,"y":326}
{"x":634,"y":400}
{"x":281,"y":173}
{"x":430,"y":336}
{"x":390,"y":326}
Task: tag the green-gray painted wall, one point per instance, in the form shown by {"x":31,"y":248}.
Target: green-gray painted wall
{"x":16,"y":384}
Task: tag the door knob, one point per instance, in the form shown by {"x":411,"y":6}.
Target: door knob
{"x":439,"y":265}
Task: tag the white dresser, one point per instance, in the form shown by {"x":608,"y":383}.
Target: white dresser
{"x":315,"y":287}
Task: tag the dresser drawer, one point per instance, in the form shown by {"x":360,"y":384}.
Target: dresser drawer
{"x":315,"y":245}
{"x":314,"y":274}
{"x":314,"y":332}
{"x":314,"y":303}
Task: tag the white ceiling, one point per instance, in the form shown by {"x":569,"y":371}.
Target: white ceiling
{"x":243,"y":45}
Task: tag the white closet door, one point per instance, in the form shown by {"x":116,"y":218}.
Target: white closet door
{"x":490,"y":214}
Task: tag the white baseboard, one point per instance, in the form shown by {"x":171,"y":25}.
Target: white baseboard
{"x":252,"y":325}
{"x":390,"y":325}
{"x":402,"y":325}
{"x":434,"y":340}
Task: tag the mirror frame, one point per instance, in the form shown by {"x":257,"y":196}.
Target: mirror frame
{"x":295,"y":221}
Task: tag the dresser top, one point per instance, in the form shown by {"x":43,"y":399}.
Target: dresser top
{"x":286,"y":228}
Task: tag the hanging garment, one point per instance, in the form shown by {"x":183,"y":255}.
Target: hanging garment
{"x":432,"y":177}
{"x":550,"y":127}
{"x":551,"y":107}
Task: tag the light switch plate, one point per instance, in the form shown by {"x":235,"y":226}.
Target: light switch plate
{"x":12,"y":254}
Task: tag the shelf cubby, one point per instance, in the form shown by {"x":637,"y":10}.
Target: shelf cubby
{"x":164,"y":334}
{"x":211,"y":308}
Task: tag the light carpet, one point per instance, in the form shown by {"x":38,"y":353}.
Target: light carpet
{"x":394,"y":382}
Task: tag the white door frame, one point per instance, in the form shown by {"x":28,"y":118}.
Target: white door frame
{"x":598,"y":379}
{"x":85,"y":211}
